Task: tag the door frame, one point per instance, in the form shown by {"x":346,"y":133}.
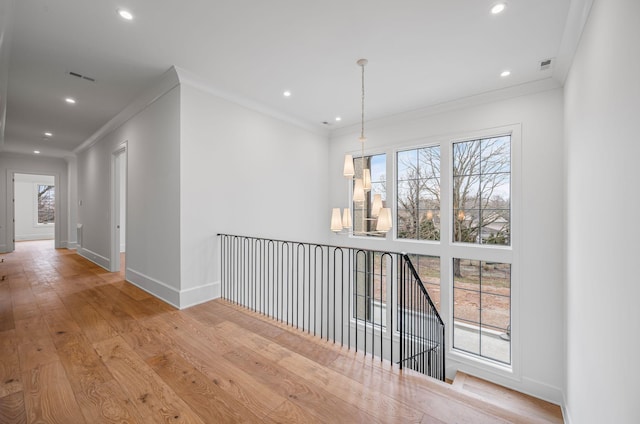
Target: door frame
{"x":114,"y":263}
{"x":11,"y":207}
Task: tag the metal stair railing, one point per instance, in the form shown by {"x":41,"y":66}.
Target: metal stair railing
{"x":368,"y":300}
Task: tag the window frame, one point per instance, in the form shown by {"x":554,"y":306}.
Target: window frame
{"x":36,"y":214}
{"x":447,"y":249}
{"x":356,"y":157}
{"x":488,"y":252}
{"x":396,"y":181}
{"x":480,"y":209}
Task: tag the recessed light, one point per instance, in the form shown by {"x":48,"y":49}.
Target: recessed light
{"x":37,"y":152}
{"x":70,"y":100}
{"x":338,"y":118}
{"x":498,"y":8}
{"x":48,"y":134}
{"x":287,"y":93}
{"x":505,"y":73}
{"x":125,"y":14}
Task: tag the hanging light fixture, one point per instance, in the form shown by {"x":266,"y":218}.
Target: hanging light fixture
{"x":380,"y":216}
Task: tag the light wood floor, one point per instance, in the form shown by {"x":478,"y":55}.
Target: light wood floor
{"x":81,"y":345}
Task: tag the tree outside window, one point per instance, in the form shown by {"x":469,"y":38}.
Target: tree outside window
{"x":482,"y":191}
{"x":46,"y":204}
{"x":418,"y":194}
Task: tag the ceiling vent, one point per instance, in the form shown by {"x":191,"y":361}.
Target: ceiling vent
{"x":545,"y":64}
{"x":84,"y":77}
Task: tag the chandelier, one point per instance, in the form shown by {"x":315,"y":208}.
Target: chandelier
{"x":380,"y":218}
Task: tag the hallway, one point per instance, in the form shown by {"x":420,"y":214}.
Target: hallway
{"x":81,"y":345}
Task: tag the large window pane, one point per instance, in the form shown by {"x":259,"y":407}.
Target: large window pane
{"x":481,"y":191}
{"x":495,"y":155}
{"x":418,"y":193}
{"x":482,"y":308}
{"x":428,"y":269}
{"x":370,"y":290}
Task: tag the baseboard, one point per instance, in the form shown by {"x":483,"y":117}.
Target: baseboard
{"x":524,"y":385}
{"x":72,"y":245}
{"x":33,"y":237}
{"x":95,"y":258}
{"x":155,"y":287}
{"x":565,"y":410}
{"x":200,"y":294}
{"x":3,"y":248}
{"x":543,"y":391}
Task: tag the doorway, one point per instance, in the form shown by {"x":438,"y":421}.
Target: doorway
{"x":119,"y":209}
{"x":35,"y":210}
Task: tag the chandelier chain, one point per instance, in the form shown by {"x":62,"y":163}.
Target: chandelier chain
{"x":362,"y":140}
{"x":362,"y":106}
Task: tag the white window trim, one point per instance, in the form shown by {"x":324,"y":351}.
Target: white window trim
{"x":446,"y":249}
{"x":506,"y":254}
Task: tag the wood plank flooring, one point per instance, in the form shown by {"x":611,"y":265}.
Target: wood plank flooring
{"x":81,"y":345}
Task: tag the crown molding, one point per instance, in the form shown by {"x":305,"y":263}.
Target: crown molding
{"x":195,"y":81}
{"x":574,"y":26}
{"x":519,"y":90}
{"x":166,"y":83}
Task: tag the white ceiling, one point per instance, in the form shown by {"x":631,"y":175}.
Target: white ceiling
{"x":420,"y":52}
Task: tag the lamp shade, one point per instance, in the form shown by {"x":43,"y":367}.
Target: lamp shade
{"x":336,"y":222}
{"x":377,"y":205}
{"x":348,"y":172}
{"x":346,"y":218}
{"x":358,"y":191}
{"x":366,"y":179}
{"x":384,"y":220}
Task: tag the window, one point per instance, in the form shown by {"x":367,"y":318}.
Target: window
{"x":428,"y":268}
{"x":482,"y":308}
{"x":46,"y":203}
{"x":418,"y":194}
{"x":481,"y":191}
{"x":364,"y":218}
{"x":454,"y":213}
{"x":477,"y":246}
{"x":481,"y":215}
{"x":370,"y":291}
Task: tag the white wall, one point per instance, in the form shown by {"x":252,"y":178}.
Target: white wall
{"x":6,"y":24}
{"x":26,"y":208}
{"x":538,"y":355}
{"x":245,"y":173}
{"x":72,"y":190}
{"x":602,"y":151}
{"x":122,"y":162}
{"x":12,"y":162}
{"x":153,"y":210}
